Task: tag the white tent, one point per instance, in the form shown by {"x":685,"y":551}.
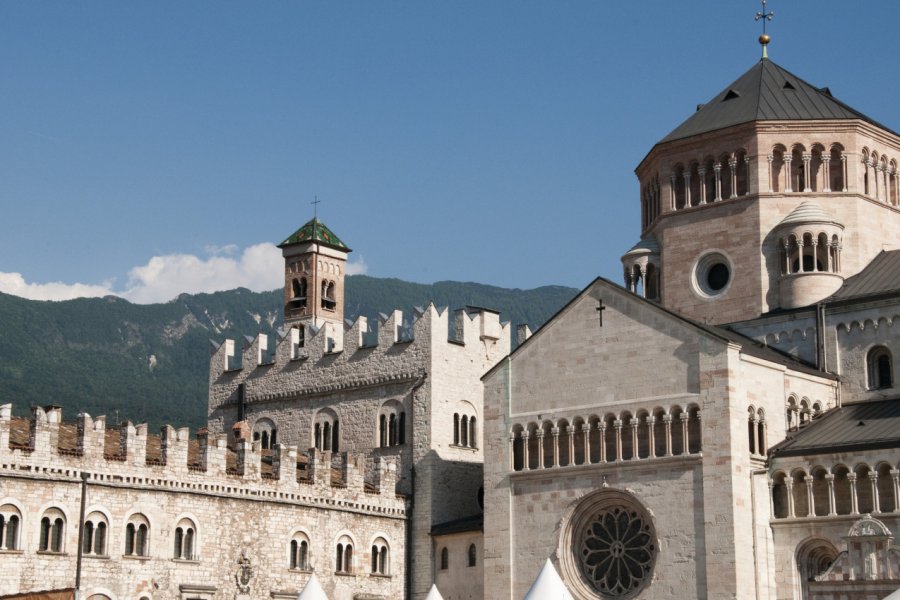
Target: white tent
{"x":894,"y":595}
{"x":313,"y":590}
{"x":434,"y":594}
{"x":548,"y":586}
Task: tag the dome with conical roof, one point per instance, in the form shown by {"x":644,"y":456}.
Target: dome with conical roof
{"x":312,"y":590}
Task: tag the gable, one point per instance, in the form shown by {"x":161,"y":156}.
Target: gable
{"x":639,"y":351}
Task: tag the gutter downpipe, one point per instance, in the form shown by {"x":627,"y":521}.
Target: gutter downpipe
{"x":84,"y":480}
{"x":412,"y":485}
{"x":753,"y":512}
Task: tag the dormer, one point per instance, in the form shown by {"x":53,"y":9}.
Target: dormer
{"x":315,"y":261}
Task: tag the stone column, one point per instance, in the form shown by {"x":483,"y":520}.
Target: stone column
{"x":672,"y":179}
{"x":525,"y":461}
{"x":540,"y":438}
{"x":555,"y":433}
{"x":667,"y":420}
{"x":845,"y":171}
{"x":771,"y":499}
{"x":807,"y":159}
{"x":800,"y":267}
{"x":570,"y":429}
{"x":651,"y":435}
{"x":717,"y":169}
{"x":702,"y":173}
{"x":788,"y":175}
{"x":873,"y":481}
{"x":854,"y":502}
{"x":684,"y":434}
{"x":826,"y":172}
{"x":747,"y":167}
{"x":687,"y":188}
{"x":732,"y":167}
{"x":831,"y":503}
{"x":895,"y":475}
{"x":755,"y":438}
{"x":602,"y":427}
{"x":810,"y":500}
{"x":771,"y":160}
{"x":815,"y":246}
{"x":830,"y":261}
{"x":586,"y":432}
{"x":643,"y":269}
{"x":789,"y":486}
{"x":618,"y":425}
{"x":787,"y":258}
{"x":512,"y":451}
{"x":634,"y":438}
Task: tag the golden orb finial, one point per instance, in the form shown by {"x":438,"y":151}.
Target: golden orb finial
{"x":764,"y":39}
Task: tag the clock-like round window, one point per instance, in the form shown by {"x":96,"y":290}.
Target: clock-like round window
{"x":612,"y":546}
{"x":712,"y":275}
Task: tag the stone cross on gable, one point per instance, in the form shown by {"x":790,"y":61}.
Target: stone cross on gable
{"x":600,"y":309}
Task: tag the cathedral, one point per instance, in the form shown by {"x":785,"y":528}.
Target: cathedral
{"x":724,"y":426}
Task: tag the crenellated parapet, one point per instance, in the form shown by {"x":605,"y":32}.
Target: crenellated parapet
{"x":44,"y":446}
{"x":394,"y":347}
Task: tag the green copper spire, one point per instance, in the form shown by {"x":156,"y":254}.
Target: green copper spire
{"x":315,"y":231}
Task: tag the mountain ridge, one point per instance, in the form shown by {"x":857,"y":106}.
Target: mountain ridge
{"x":149,"y":362}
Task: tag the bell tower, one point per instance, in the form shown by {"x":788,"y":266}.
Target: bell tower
{"x":315,"y":260}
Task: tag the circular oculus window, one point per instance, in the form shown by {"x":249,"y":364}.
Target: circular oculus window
{"x":712,"y":275}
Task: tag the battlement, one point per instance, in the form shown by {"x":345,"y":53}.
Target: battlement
{"x":312,"y":358}
{"x":45,"y":445}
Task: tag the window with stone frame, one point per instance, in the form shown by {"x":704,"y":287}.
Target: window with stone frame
{"x":185,"y":540}
{"x":53,"y":528}
{"x":380,"y":557}
{"x":137,"y":536}
{"x":298,"y":553}
{"x":10,"y":526}
{"x":93,"y":538}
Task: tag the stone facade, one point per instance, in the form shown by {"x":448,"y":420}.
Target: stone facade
{"x":234,"y":503}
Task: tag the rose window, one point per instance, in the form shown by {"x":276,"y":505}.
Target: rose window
{"x":613,"y":546}
{"x":617,"y":551}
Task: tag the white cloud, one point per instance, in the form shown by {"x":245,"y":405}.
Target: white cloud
{"x":14,"y":283}
{"x":258,"y":268}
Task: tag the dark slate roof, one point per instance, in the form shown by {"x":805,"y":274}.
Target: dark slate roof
{"x":471,"y":523}
{"x":766,"y":92}
{"x":315,"y":231}
{"x":881,"y":276}
{"x":860,"y":426}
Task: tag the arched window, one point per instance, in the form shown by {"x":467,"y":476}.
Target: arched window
{"x":881,"y":373}
{"x":445,"y":559}
{"x":53,"y":526}
{"x":813,"y":558}
{"x":298,"y":292}
{"x":137,"y":534}
{"x":328,"y":301}
{"x":391,"y":424}
{"x":473,"y":555}
{"x":10,"y":521}
{"x":93,"y":539}
{"x":185,"y":536}
{"x":751,"y":430}
{"x":299,"y":552}
{"x":326,"y":431}
{"x":264,"y":431}
{"x":343,"y":559}
{"x":380,"y":565}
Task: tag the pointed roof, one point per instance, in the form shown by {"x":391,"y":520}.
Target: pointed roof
{"x":548,"y":586}
{"x":434,"y":594}
{"x":766,"y":92}
{"x":315,"y":231}
{"x":312,"y":590}
{"x":894,"y":595}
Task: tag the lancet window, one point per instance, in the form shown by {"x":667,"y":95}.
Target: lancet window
{"x":93,"y":538}
{"x":326,"y":431}
{"x":185,"y":540}
{"x":391,"y":425}
{"x":380,"y":557}
{"x":137,"y":534}
{"x":298,"y":552}
{"x":880,"y":368}
{"x":53,"y":525}
{"x":343,"y":558}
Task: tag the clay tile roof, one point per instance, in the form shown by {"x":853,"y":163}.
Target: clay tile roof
{"x":315,"y":231}
{"x":766,"y":92}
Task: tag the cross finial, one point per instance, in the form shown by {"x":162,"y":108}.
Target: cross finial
{"x":764,"y":38}
{"x":600,"y":309}
{"x":315,"y":204}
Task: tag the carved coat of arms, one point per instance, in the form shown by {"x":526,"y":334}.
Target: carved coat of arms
{"x":244,"y":573}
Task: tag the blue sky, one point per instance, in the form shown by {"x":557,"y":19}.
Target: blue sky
{"x":158,"y":147}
